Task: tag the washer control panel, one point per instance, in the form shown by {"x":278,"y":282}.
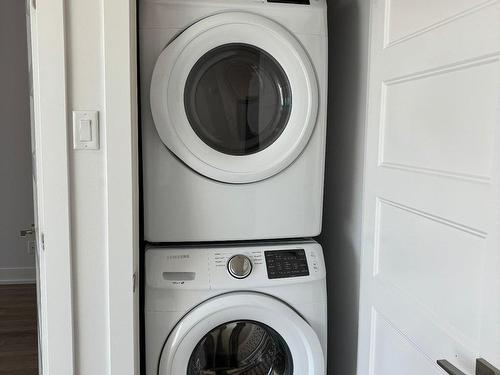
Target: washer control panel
{"x":286,"y":263}
{"x":231,"y":266}
{"x":266,"y":264}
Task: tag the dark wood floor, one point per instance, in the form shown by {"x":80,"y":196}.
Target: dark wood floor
{"x":18,"y":334}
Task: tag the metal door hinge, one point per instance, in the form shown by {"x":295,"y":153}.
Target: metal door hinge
{"x":28,"y":232}
{"x":134,"y":281}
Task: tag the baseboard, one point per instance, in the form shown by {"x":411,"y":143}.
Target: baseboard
{"x":21,"y":275}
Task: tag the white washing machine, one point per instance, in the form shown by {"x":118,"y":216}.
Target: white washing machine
{"x":255,"y":309}
{"x":233,"y":113}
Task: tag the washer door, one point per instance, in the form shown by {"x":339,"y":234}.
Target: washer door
{"x":242,"y":334}
{"x":235,"y":97}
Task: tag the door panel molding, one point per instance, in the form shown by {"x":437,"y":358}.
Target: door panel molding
{"x":430,"y":27}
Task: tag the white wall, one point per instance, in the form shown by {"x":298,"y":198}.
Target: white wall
{"x":16,"y":198}
{"x":102,"y":255}
{"x":341,"y":237}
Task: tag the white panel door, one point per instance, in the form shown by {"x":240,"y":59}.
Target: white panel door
{"x":431,"y":248}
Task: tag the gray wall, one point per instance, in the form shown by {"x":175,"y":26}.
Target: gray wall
{"x":16,"y":200}
{"x":341,"y":237}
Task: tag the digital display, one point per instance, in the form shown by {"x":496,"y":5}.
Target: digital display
{"x":286,"y":263}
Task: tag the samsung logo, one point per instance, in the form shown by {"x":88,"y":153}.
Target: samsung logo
{"x":182,"y":256}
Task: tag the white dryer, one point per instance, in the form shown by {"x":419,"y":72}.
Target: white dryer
{"x":233,"y":103}
{"x":242,"y":310}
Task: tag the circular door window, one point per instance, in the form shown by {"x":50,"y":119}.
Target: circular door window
{"x":238,"y":99}
{"x":242,"y":333}
{"x":235,"y":97}
{"x":241,"y":348}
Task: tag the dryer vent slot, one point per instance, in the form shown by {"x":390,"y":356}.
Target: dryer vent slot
{"x":302,"y":2}
{"x":179,"y":276}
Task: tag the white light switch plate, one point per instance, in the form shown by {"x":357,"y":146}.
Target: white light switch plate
{"x":85,"y":130}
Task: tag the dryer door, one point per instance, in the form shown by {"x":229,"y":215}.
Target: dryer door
{"x":235,"y":97}
{"x":242,"y":334}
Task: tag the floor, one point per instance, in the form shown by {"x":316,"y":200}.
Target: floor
{"x":18,"y":334}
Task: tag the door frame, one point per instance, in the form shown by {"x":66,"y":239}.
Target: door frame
{"x":48,"y":47}
{"x":122,"y":166}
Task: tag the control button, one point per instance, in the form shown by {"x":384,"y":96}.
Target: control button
{"x":239,"y":266}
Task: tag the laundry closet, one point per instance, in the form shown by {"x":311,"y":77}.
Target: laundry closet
{"x":233,"y":124}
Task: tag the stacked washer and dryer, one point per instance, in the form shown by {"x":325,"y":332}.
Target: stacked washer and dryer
{"x":233,"y":102}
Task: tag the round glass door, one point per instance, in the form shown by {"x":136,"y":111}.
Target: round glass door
{"x":237,"y":99}
{"x":234,"y":97}
{"x":242,"y":333}
{"x":241,"y":348}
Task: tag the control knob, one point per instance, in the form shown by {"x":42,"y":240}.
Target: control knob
{"x":239,"y":266}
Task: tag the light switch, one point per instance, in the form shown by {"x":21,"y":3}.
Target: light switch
{"x":85,"y":130}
